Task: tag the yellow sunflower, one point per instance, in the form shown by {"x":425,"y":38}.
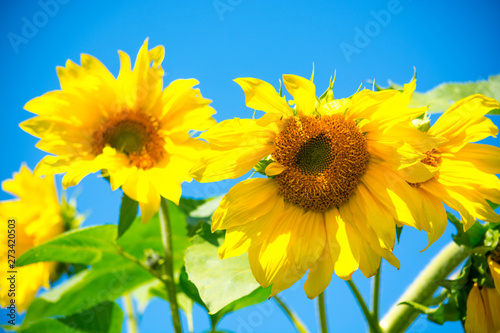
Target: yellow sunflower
{"x":457,"y":172}
{"x":37,"y":217}
{"x":130,"y":127}
{"x":483,"y":310}
{"x":333,"y":195}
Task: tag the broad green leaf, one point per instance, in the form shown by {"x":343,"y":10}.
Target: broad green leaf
{"x":198,"y":212}
{"x":257,"y":296}
{"x":474,"y":235}
{"x":219,"y":282}
{"x":141,"y":237}
{"x":106,"y":317}
{"x":81,"y":246}
{"x":442,"y":96}
{"x":111,"y":275}
{"x":128,"y":212}
{"x":87,"y":289}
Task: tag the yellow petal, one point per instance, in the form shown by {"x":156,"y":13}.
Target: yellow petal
{"x":369,"y":261}
{"x":303,"y":92}
{"x":274,"y":169}
{"x":366,"y":102}
{"x":477,"y":320}
{"x":286,"y":277}
{"x":139,"y":186}
{"x":92,"y":74}
{"x":320,"y":274}
{"x":308,"y":239}
{"x":494,"y":308}
{"x":400,"y":103}
{"x":394,"y":193}
{"x":183,"y":108}
{"x":240,"y":238}
{"x":228,"y":164}
{"x":484,"y":157}
{"x":377,"y":216}
{"x":455,"y":200}
{"x":245,"y":202}
{"x":435,"y":216}
{"x":238,"y":133}
{"x":260,"y":95}
{"x":353,"y":214}
{"x":344,"y":244}
{"x":495,"y":273}
{"x":464,"y":122}
{"x":463,"y":174}
{"x":338,"y":106}
{"x":274,"y":255}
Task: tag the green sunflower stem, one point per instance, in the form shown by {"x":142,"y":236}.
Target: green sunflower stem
{"x":299,"y":325}
{"x":166,"y":233}
{"x":376,"y":293}
{"x":400,"y":317}
{"x":370,"y":319}
{"x":322,"y":313}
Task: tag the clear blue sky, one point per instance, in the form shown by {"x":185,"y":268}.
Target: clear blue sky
{"x":445,"y":41}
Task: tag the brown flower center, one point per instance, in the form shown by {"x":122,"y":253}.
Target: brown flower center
{"x":134,"y":134}
{"x":432,"y":158}
{"x":324,"y":159}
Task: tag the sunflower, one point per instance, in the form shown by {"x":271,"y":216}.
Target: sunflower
{"x":457,"y":172}
{"x":483,"y":307}
{"x":333,"y":195}
{"x":129,"y":127}
{"x":36,"y":217}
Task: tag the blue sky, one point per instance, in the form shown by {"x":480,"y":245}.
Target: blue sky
{"x":217,"y":41}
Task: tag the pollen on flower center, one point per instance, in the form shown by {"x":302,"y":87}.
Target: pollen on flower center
{"x":432,"y":158}
{"x":324,"y":158}
{"x":134,"y":134}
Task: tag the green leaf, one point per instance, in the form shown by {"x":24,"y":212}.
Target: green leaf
{"x":128,"y":212}
{"x":106,"y":317}
{"x":474,"y":235}
{"x":461,"y":281}
{"x":81,"y":246}
{"x":219,"y":282}
{"x":442,"y":96}
{"x":444,"y":312}
{"x":257,"y":296}
{"x":111,"y":274}
{"x":87,"y":289}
